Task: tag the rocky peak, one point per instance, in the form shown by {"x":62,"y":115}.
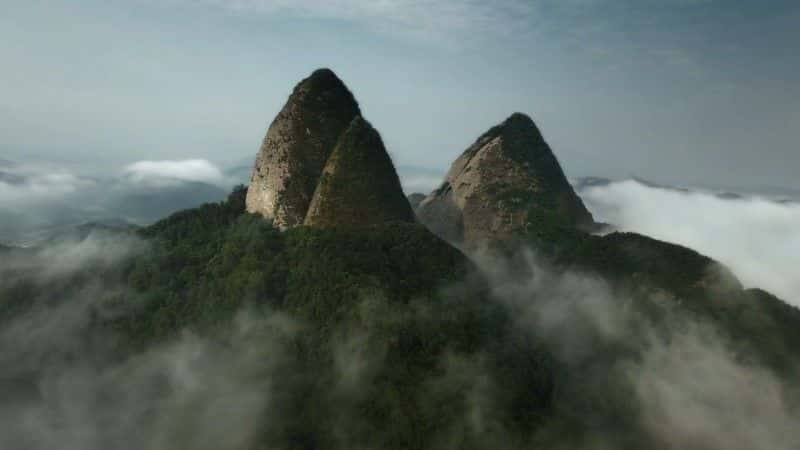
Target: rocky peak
{"x":297,"y":146}
{"x":359,"y":185}
{"x":503,"y":182}
{"x":322,"y":164}
{"x":517,"y":129}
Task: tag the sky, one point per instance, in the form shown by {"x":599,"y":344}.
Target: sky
{"x":703,"y":92}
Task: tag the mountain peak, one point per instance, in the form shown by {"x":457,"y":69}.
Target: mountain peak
{"x":503,"y":182}
{"x":297,"y":146}
{"x":521,"y":138}
{"x":325,"y":81}
{"x":324,"y":73}
{"x":519,"y":119}
{"x":359,"y":185}
{"x":322,"y":164}
{"x":515,"y":123}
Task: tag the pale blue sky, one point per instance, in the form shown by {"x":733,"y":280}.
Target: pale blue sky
{"x":696,"y":91}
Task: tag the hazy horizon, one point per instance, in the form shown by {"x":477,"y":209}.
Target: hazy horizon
{"x":692,"y":92}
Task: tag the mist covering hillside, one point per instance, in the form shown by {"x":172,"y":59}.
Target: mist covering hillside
{"x":38,"y":203}
{"x":755,"y":234}
{"x":211,"y":329}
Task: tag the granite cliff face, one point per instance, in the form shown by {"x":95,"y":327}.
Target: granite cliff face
{"x":359,"y":185}
{"x":322,"y":164}
{"x":503,"y":182}
{"x":297,"y":146}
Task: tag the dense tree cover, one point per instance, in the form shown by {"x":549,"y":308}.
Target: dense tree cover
{"x":392,"y":339}
{"x":324,"y":277}
{"x":384,"y":287}
{"x":209,"y":262}
{"x":762,"y":326}
{"x":345,"y":196}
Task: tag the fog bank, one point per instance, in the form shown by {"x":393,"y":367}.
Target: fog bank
{"x":756,"y":237}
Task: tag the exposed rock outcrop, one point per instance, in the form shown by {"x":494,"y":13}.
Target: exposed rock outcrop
{"x":297,"y":146}
{"x":322,"y":164}
{"x":503,"y":182}
{"x":359,"y":185}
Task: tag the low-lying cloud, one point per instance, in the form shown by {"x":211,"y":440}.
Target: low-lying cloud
{"x":757,"y":238}
{"x":683,"y":387}
{"x":26,"y":186}
{"x":687,"y":386}
{"x":191,"y":393}
{"x":191,"y":170}
{"x":696,"y":394}
{"x":36,"y":202}
{"x":65,"y":385}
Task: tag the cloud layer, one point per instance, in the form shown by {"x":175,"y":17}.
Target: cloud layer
{"x":65,"y":385}
{"x":36,"y":201}
{"x":759,"y":239}
{"x":24,"y":186}
{"x":191,"y":170}
{"x":690,"y":387}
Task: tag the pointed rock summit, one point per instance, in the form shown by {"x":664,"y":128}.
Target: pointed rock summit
{"x":297,"y":146}
{"x":359,"y":185}
{"x":322,"y":164}
{"x":507,"y":180}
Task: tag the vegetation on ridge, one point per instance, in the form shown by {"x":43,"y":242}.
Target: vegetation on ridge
{"x":397,"y":341}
